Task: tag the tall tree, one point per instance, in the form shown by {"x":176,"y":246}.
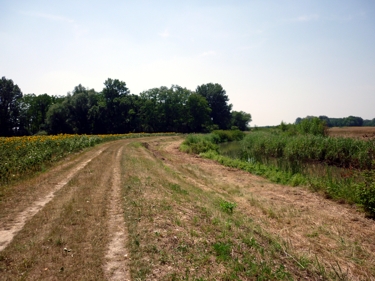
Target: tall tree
{"x":10,"y":98}
{"x":34,"y":112}
{"x":198,"y":113}
{"x":218,"y":101}
{"x":115,"y":93}
{"x":241,"y":120}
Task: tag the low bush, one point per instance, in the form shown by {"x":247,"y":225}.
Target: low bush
{"x":366,"y":192}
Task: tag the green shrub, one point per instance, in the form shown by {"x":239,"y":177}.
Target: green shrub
{"x":366,"y":192}
{"x":228,"y":135}
{"x":313,"y":126}
{"x":227,"y":207}
{"x":198,"y":144}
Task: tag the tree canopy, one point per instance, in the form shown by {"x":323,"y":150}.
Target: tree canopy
{"x":115,"y":110}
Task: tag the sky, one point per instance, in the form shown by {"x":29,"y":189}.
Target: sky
{"x":277,"y":60}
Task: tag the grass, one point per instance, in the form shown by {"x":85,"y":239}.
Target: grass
{"x":23,"y":156}
{"x":306,"y":160}
{"x":181,"y":232}
{"x":67,"y":239}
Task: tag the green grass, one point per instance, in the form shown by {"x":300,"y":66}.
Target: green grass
{"x":187,"y":233}
{"x":317,"y":162}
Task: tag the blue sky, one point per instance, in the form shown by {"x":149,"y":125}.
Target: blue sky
{"x":277,"y":60}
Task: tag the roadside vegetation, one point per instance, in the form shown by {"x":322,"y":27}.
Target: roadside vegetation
{"x":23,"y":156}
{"x":302,"y":154}
{"x":180,"y":232}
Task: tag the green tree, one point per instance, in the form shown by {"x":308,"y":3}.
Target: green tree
{"x":57,"y":119}
{"x":241,"y":120}
{"x":10,"y":99}
{"x":34,"y":112}
{"x":218,"y":101}
{"x":115,"y":95}
{"x":198,"y":113}
{"x":79,"y":105}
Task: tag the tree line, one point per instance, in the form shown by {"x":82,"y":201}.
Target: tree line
{"x":350,"y":121}
{"x":115,"y":110}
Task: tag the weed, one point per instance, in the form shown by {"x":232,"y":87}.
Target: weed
{"x":227,"y":207}
{"x":223,"y":250}
{"x":175,"y":187}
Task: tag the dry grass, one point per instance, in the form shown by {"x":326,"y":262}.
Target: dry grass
{"x":187,"y":218}
{"x":67,"y":238}
{"x":352,"y":132}
{"x":180,"y":230}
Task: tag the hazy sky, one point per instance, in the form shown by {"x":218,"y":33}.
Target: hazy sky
{"x":277,"y":60}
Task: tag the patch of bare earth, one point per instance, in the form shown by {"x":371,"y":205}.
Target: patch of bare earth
{"x":116,"y":267}
{"x":338,"y":236}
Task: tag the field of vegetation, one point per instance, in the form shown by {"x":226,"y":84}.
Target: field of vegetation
{"x":141,"y":209}
{"x":341,"y":168}
{"x":22,"y":156}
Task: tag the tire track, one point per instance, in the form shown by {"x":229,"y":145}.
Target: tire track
{"x":7,"y":234}
{"x":116,"y":266}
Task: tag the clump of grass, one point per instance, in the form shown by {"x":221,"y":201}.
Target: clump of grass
{"x":227,"y":207}
{"x":223,"y":250}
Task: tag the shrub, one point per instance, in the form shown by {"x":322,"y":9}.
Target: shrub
{"x":366,"y":192}
{"x":198,"y":144}
{"x":313,"y":126}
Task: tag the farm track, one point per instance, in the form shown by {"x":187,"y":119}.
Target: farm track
{"x":69,"y":224}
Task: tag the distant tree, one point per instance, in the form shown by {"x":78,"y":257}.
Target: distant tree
{"x":165,"y":109}
{"x":114,"y":89}
{"x":326,"y":120}
{"x":58,"y":118}
{"x":218,"y":101}
{"x":79,"y":105}
{"x":353,"y":121}
{"x":34,"y":112}
{"x":370,"y":123}
{"x":10,"y":99}
{"x":198,"y":113}
{"x":298,"y":120}
{"x":241,"y":120}
{"x":115,"y":95}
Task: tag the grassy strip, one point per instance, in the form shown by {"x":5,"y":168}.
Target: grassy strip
{"x":178,"y":231}
{"x":22,"y":156}
{"x":335,"y":189}
{"x":358,"y":188}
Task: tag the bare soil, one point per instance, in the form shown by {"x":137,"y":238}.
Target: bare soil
{"x":90,"y":217}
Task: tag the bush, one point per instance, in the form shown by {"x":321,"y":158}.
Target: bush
{"x":313,"y":126}
{"x":366,"y":192}
{"x":198,"y":144}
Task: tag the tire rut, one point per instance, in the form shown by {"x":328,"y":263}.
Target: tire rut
{"x":11,"y":229}
{"x":116,"y":267}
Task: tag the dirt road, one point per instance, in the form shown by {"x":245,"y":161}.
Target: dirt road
{"x":141,"y":210}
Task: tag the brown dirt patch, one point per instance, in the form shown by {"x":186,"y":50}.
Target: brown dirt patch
{"x":352,"y":132}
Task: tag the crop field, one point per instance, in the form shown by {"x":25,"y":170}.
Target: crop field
{"x":138,"y":208}
{"x":26,"y":155}
{"x":353,"y":132}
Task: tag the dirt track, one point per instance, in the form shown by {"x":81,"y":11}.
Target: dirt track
{"x":68,"y":223}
